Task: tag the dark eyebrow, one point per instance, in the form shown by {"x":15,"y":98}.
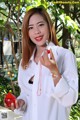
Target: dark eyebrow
{"x":37,"y":23}
{"x":40,"y":22}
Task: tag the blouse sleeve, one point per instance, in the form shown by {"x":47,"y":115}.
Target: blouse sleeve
{"x":21,"y":85}
{"x":66,"y":91}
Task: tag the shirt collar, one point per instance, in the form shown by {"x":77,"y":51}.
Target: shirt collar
{"x":51,"y":44}
{"x":32,"y":57}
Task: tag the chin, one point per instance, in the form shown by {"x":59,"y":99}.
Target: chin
{"x":42,"y":45}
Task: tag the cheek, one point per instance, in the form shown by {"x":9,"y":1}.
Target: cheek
{"x":30,"y":34}
{"x":47,"y":32}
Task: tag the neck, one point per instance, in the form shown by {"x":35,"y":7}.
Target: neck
{"x":39,"y":51}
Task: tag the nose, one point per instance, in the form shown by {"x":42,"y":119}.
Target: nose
{"x":37,"y":30}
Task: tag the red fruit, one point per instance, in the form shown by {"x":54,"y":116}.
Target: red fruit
{"x":9,"y":98}
{"x":48,"y":51}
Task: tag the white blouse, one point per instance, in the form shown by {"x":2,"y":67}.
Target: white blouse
{"x":54,"y":102}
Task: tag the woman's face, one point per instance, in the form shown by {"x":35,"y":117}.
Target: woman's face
{"x":38,"y":30}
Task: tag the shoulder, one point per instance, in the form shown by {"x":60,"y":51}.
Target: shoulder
{"x":63,"y":51}
{"x":58,"y":49}
{"x":65,"y":54}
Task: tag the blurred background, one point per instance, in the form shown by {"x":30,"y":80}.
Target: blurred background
{"x":66,"y":19}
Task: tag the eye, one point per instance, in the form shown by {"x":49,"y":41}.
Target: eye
{"x":29,"y":28}
{"x":41,"y":24}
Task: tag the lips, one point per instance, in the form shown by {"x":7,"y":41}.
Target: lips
{"x":39,"y":38}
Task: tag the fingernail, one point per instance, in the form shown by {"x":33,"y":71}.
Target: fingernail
{"x":12,"y":104}
{"x":48,"y":51}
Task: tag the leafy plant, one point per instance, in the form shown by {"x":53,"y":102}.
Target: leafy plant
{"x":75,"y":111}
{"x":6,"y":85}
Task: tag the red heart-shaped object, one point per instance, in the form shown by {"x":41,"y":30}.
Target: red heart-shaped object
{"x":10,"y":98}
{"x":48,"y":51}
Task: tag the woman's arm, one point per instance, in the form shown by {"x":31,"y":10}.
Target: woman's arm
{"x":66,"y":89}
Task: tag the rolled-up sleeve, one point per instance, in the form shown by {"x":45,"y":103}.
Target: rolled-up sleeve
{"x":66,"y":90}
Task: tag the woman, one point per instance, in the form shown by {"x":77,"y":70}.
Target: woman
{"x":47,"y":75}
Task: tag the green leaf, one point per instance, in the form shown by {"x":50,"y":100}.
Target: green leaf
{"x":2,"y":5}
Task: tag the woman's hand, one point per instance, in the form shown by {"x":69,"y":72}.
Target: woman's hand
{"x":50,"y":63}
{"x":18,"y":104}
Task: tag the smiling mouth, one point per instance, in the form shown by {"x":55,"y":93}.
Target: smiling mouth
{"x":39,"y":38}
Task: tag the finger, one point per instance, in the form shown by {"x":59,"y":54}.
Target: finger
{"x":45,"y":56}
{"x":12,"y":106}
{"x":51,"y":55}
{"x":16,"y":103}
{"x":5,"y":105}
{"x":21,"y":103}
{"x":52,"y":59}
{"x":53,"y":62}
